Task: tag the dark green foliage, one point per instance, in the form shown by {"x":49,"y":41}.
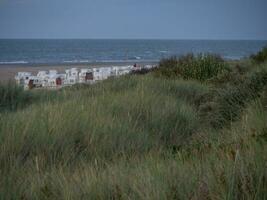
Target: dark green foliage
{"x":201,"y":67}
{"x":235,"y":75}
{"x":228,"y":103}
{"x":260,"y":57}
{"x":143,"y":71}
{"x":12,"y":97}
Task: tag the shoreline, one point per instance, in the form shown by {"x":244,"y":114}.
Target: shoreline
{"x":8,"y":72}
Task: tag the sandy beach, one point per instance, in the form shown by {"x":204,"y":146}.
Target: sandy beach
{"x":8,"y":72}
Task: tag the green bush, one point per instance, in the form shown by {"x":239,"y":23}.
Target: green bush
{"x":261,"y":56}
{"x":201,"y":67}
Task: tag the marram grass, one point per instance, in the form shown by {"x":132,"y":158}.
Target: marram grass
{"x":136,"y":137}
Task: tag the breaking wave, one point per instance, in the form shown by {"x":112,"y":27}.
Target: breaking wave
{"x":77,"y":61}
{"x":13,"y":62}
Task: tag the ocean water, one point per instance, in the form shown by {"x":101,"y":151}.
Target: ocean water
{"x":34,"y":52}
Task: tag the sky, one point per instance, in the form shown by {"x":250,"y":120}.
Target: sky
{"x":134,"y":19}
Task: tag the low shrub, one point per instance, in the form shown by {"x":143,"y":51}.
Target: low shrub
{"x":261,"y":56}
{"x":200,"y":67}
{"x":228,"y":103}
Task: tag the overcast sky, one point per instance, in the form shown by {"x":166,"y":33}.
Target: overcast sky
{"x":162,"y":19}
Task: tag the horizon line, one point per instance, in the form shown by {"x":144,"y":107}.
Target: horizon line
{"x":207,"y":39}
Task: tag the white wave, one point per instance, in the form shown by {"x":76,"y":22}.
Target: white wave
{"x":163,"y":51}
{"x":77,"y":61}
{"x":232,"y":57}
{"x":112,"y":61}
{"x":135,"y":58}
{"x":126,"y":61}
{"x":13,"y":62}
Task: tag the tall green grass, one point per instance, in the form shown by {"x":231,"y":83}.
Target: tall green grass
{"x":200,"y":67}
{"x":12,"y":96}
{"x":229,"y":166}
{"x":138,"y":137}
{"x":260,"y":57}
{"x":119,"y":121}
{"x":226,"y":104}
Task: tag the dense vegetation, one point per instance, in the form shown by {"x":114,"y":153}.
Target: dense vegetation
{"x":261,"y":56}
{"x":12,"y":97}
{"x":195,"y":130}
{"x":200,"y":67}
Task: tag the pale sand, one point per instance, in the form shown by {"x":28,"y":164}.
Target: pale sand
{"x":8,"y":72}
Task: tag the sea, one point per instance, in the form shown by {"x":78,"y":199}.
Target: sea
{"x":85,"y":51}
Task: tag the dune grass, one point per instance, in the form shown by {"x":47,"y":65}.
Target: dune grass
{"x":200,"y":67}
{"x":138,"y":137}
{"x":261,"y":56}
